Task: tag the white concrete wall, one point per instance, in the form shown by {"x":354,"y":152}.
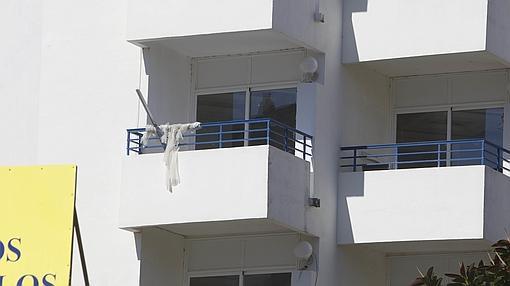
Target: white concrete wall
{"x":161,"y":19}
{"x":241,"y":253}
{"x":274,"y":23}
{"x":496,"y":206}
{"x":216,"y":185}
{"x":20,"y":70}
{"x":412,"y":205}
{"x":67,"y":87}
{"x":231,"y":72}
{"x":169,"y":83}
{"x":365,"y":106}
{"x":295,"y":19}
{"x":380,"y":29}
{"x":498,"y":29}
{"x":162,"y":256}
{"x":288,"y":189}
{"x":459,"y":90}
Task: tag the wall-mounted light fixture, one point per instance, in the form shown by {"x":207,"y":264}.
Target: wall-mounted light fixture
{"x":309,"y":67}
{"x":303,"y":251}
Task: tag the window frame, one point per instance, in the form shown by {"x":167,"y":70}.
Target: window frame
{"x":240,"y":272}
{"x":247,"y":89}
{"x":447,"y":108}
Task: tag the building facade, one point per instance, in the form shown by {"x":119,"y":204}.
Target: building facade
{"x":375,"y":131}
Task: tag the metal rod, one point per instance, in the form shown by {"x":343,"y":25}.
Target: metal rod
{"x":355,"y":153}
{"x":80,"y":248}
{"x":439,"y":155}
{"x":159,"y":132}
{"x":221,"y":136}
{"x":146,"y":107}
{"x":128,"y":142}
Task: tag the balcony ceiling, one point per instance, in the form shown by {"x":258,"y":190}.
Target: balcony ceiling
{"x":460,"y":62}
{"x":225,"y":43}
{"x":234,"y":227}
{"x":420,"y":247}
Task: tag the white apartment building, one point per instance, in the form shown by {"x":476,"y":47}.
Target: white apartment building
{"x":401,"y":130}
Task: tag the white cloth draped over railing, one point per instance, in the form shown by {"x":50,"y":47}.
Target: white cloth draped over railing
{"x":172,"y":136}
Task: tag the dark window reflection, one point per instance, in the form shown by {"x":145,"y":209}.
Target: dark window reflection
{"x":216,"y":108}
{"x":279,"y":105}
{"x":276,"y":279}
{"x":476,"y":124}
{"x":215,"y":281}
{"x":422,"y":127}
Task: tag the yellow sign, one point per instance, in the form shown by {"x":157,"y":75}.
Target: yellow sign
{"x":36,"y":225}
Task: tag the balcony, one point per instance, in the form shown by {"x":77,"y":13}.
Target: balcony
{"x":237,"y":177}
{"x":435,"y":193}
{"x":198,"y":28}
{"x":399,"y":37}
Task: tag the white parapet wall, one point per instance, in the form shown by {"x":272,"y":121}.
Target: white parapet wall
{"x":222,"y":26}
{"x":217,"y":185}
{"x":152,"y":19}
{"x":425,"y":204}
{"x":391,"y":29}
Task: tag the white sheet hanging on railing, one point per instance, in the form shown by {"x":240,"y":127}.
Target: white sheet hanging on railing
{"x":172,"y":136}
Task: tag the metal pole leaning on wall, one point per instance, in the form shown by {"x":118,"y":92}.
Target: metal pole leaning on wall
{"x":80,"y":248}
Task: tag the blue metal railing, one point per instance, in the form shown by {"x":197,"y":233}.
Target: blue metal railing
{"x":425,"y":154}
{"x":236,"y":133}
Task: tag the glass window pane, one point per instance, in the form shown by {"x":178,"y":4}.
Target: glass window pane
{"x":422,"y":127}
{"x":221,"y":107}
{"x":279,"y":105}
{"x":476,"y":124}
{"x":275,"y":279}
{"x":215,"y":281}
{"x":419,"y":127}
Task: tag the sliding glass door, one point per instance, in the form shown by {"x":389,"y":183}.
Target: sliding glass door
{"x":279,"y":105}
{"x":269,"y":279}
{"x":476,"y":124}
{"x":419,"y":127}
{"x":221,"y":107}
{"x":232,"y":280}
{"x":276,"y":104}
{"x":452,"y":124}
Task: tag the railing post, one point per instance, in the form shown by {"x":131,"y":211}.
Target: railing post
{"x":355,"y":160}
{"x":482,"y":157}
{"x":285,"y":147}
{"x":268,"y":127}
{"x":128,"y":142}
{"x":395,"y":158}
{"x":500,"y":163}
{"x":140,"y":144}
{"x":439,"y":154}
{"x":221,"y":136}
{"x":304,"y":147}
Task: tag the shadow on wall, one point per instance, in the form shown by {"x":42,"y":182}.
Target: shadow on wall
{"x":168,"y":83}
{"x":349,"y":46}
{"x":354,"y":187}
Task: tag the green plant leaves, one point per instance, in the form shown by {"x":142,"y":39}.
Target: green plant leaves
{"x":497,"y":273}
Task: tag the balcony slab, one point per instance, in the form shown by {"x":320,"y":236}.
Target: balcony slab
{"x":199,"y":28}
{"x":439,"y":209}
{"x":399,"y":37}
{"x":240,"y":190}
